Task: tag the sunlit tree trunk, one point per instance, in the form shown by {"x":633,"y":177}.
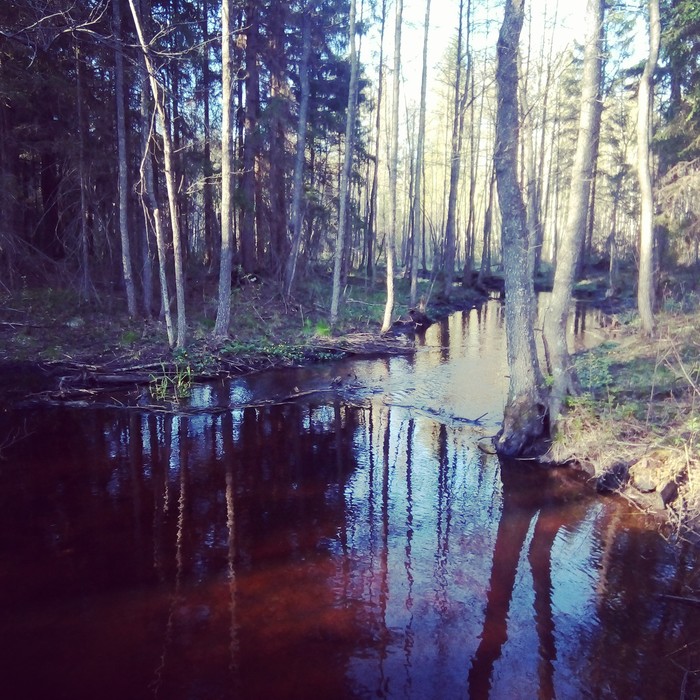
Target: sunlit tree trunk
{"x":123,"y":181}
{"x":298,"y":184}
{"x":169,"y":180}
{"x":223,"y":313}
{"x":393,"y":172}
{"x":573,"y":235}
{"x":525,"y":412}
{"x":344,"y":194}
{"x":645,"y":290}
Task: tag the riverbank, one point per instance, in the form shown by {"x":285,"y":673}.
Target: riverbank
{"x":83,"y":346}
{"x":635,"y":427}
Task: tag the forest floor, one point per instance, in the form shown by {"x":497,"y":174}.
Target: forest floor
{"x":635,"y":427}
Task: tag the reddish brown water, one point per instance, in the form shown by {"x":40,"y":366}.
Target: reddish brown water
{"x":357,"y":544}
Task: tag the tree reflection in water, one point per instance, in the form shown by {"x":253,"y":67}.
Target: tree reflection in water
{"x":325,"y":549}
{"x":521,"y":506}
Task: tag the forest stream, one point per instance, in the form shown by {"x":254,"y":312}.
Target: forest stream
{"x":340,"y":530}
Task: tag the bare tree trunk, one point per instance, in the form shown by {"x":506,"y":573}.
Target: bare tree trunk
{"x":84,"y":247}
{"x":169,"y":181}
{"x":250,"y":143}
{"x":525,"y":411}
{"x":223,"y":312}
{"x":345,"y":174}
{"x":209,"y":216}
{"x":460,"y":100}
{"x":298,"y":185}
{"x":645,"y":289}
{"x":562,"y":370}
{"x":372,"y":214}
{"x":485,"y":267}
{"x":151,"y":202}
{"x":123,"y":181}
{"x":418,"y":186}
{"x":393,"y":172}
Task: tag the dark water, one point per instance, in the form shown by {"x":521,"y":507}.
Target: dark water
{"x":354,"y":543}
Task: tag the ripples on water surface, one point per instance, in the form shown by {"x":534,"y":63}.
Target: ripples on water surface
{"x":354,"y":545}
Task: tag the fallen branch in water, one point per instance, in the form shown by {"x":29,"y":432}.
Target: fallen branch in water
{"x":680,"y":599}
{"x":441,"y":414}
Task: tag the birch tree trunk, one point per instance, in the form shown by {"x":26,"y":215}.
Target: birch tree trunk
{"x":572,"y":237}
{"x":223,"y":312}
{"x":645,"y":288}
{"x":525,"y":411}
{"x":169,"y":181}
{"x":123,"y":181}
{"x":393,"y":171}
{"x":298,"y":184}
{"x":345,"y":174}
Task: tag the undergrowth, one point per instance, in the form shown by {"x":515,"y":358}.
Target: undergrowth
{"x":638,"y":405}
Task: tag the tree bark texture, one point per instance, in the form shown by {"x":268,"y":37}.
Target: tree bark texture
{"x":525,"y":412}
{"x":151,"y":203}
{"x":393,"y":171}
{"x":123,"y":181}
{"x":418,"y":186}
{"x":344,"y":193}
{"x":645,"y":288}
{"x":459,"y":107}
{"x":168,"y":165}
{"x":251,"y":138}
{"x":223,"y":313}
{"x":298,"y":184}
{"x":572,"y":237}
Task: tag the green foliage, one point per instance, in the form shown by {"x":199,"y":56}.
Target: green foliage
{"x":593,"y":368}
{"x":171,"y":385}
{"x":265,"y":349}
{"x":320,"y":328}
{"x":129,"y":337}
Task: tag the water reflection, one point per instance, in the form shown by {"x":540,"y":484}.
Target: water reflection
{"x":328,"y":548}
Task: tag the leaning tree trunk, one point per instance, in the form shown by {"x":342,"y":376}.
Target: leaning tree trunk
{"x":168,"y":168}
{"x":572,"y":237}
{"x":525,"y":411}
{"x":223,"y":313}
{"x":344,"y":193}
{"x":645,"y":289}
